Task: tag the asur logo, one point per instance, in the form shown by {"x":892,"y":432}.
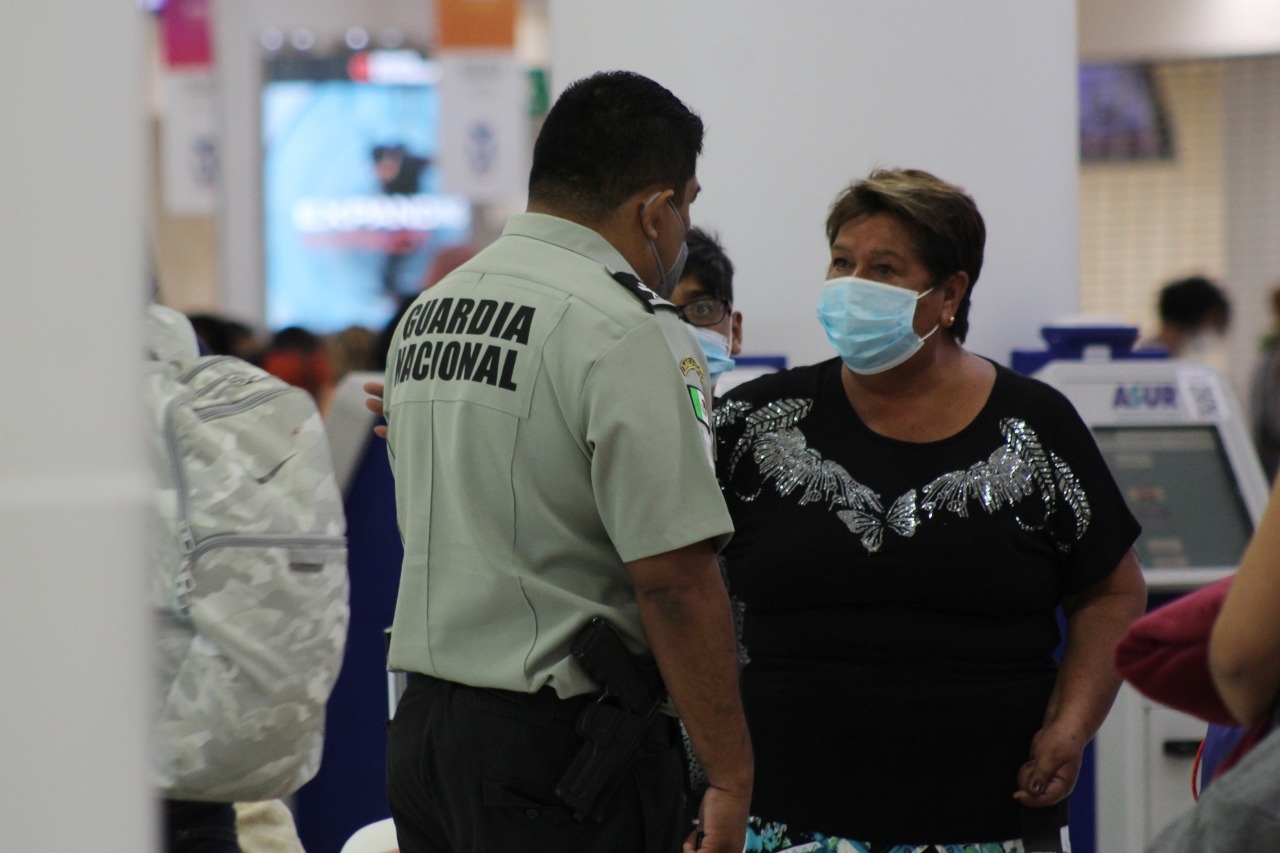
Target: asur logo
{"x":1145,"y":397}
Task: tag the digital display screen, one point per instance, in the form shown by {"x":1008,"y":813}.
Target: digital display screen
{"x":1180,"y":485}
{"x":352,"y":212}
{"x":1121,"y":114}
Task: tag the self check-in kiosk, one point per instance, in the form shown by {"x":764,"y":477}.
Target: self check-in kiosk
{"x":1178,"y":445}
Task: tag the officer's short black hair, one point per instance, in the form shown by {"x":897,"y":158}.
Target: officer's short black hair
{"x":1190,"y":302}
{"x":708,"y":263}
{"x":607,"y":137}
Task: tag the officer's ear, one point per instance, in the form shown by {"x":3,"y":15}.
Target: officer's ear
{"x":735,"y":333}
{"x":653,"y":207}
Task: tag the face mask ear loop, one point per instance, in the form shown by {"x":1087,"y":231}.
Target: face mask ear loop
{"x":672,"y":201}
{"x":926,"y":336}
{"x":650,"y":201}
{"x":653,"y":247}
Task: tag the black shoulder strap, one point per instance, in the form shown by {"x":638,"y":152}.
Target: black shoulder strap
{"x":639,"y":290}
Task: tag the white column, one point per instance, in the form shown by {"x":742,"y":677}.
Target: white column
{"x":1251,"y":144}
{"x":73,"y":646}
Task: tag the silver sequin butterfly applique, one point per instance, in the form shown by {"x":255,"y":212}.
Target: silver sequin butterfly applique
{"x":1020,"y":468}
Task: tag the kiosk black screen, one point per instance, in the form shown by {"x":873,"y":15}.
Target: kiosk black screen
{"x":1179,"y":484}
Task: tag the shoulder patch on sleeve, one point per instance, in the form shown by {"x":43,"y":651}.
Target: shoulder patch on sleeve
{"x":700,"y":408}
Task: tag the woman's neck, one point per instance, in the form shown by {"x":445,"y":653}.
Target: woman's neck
{"x":932,"y":396}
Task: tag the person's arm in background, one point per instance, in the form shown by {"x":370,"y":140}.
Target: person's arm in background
{"x":374,"y":404}
{"x":1087,"y":683}
{"x":1244,"y":647}
{"x":687,"y":618}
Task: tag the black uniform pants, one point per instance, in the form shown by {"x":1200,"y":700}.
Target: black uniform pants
{"x":472,"y":770}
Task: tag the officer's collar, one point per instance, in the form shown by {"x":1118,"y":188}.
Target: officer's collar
{"x":568,"y":235}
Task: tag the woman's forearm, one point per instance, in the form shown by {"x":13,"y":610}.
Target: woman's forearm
{"x":1096,"y":620}
{"x":1244,"y":647}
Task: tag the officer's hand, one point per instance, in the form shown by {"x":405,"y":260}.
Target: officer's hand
{"x":722,"y":823}
{"x":374,"y":404}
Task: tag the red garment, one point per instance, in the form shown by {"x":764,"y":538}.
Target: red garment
{"x":310,"y":371}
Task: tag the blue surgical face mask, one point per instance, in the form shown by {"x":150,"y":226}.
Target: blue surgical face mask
{"x":870,"y":324}
{"x":670,"y":277}
{"x":715,"y":347}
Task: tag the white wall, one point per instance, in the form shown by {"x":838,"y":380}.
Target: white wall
{"x":1247,"y":33}
{"x":1251,"y":131}
{"x":1178,"y":29}
{"x":1212,"y":209}
{"x":73,"y":649}
{"x":800,"y":98}
{"x":1144,"y":223}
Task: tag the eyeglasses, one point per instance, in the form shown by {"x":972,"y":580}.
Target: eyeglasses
{"x":704,"y":312}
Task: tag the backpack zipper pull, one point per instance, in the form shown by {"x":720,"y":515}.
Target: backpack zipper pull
{"x":186,"y":540}
{"x":185,"y":583}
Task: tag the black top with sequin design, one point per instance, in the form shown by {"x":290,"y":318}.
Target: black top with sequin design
{"x":900,"y":599}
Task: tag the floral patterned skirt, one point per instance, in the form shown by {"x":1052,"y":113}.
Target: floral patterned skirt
{"x":771,"y":836}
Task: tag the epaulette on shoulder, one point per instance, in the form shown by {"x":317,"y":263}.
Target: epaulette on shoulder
{"x":641,"y":291}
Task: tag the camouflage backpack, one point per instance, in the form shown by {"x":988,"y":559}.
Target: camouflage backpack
{"x":250,"y":574}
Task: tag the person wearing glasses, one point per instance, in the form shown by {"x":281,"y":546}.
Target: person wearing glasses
{"x":704,"y":296}
{"x":909,"y":517}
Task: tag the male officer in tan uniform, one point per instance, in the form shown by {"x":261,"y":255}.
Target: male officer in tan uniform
{"x":549,"y":437}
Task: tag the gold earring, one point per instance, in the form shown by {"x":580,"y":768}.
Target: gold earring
{"x":952,"y":321}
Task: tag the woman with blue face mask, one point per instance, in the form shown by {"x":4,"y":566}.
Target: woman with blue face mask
{"x":908,"y":517}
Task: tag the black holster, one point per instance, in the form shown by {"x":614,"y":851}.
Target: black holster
{"x":613,"y":728}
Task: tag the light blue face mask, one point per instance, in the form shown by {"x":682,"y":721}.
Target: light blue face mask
{"x":870,"y":324}
{"x":715,"y":347}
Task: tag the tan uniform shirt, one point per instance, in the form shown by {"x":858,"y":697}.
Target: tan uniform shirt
{"x":547,"y":425}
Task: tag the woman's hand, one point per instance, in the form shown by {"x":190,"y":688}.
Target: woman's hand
{"x":722,"y":824}
{"x":1050,"y":775}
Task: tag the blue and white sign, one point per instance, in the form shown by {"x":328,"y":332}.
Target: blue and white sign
{"x":484,"y":126}
{"x":189,"y":144}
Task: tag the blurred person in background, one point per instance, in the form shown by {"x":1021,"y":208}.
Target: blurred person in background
{"x":352,"y":350}
{"x":1194,"y":317}
{"x":298,"y":357}
{"x":222,"y":335}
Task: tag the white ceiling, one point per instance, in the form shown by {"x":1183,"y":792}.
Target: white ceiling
{"x":1177,"y":29}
